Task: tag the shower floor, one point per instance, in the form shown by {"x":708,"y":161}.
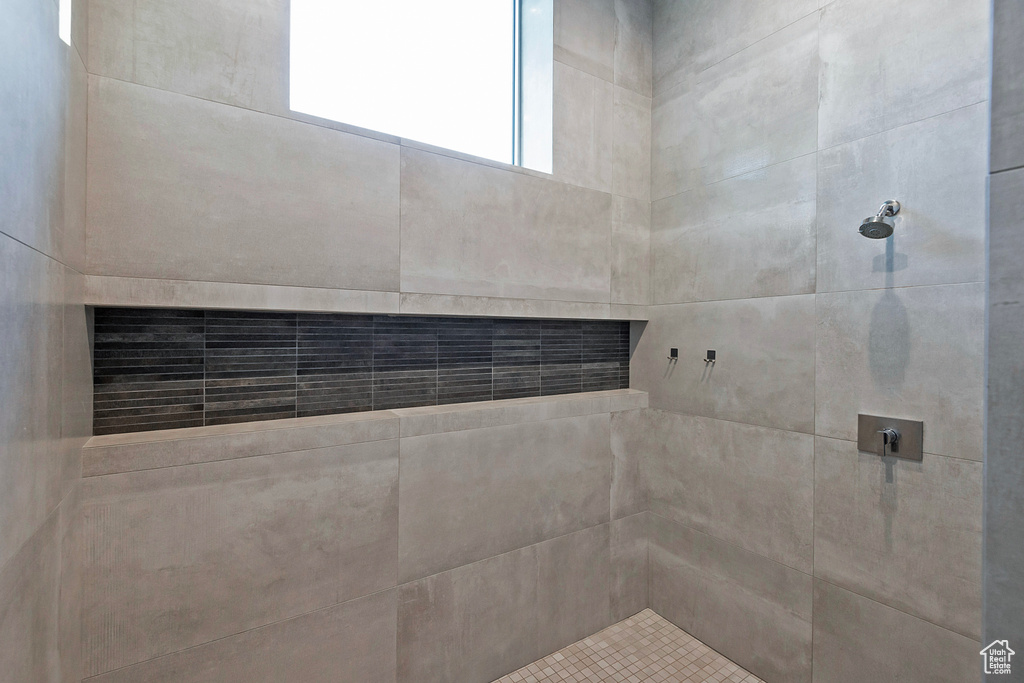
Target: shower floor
{"x":644,"y":647}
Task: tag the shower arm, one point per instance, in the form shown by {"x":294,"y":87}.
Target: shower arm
{"x":890,"y":208}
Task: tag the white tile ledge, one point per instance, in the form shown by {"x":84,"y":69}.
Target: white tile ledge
{"x":117,"y":453}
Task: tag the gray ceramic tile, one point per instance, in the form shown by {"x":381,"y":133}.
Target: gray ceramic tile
{"x":634,"y":39}
{"x":756,"y":108}
{"x":915,"y":353}
{"x":692,"y":36}
{"x":629,"y":450}
{"x":353,"y":641}
{"x":752,"y":610}
{"x":73,"y":247}
{"x":458,"y":219}
{"x":631,"y":136}
{"x":235,"y":196}
{"x":936,"y":170}
{"x":629,"y":566}
{"x":630,"y":251}
{"x":80,"y":29}
{"x":573,"y":588}
{"x":32,"y":470}
{"x":504,"y":488}
{"x":748,"y":236}
{"x":231,"y":52}
{"x":30,"y":608}
{"x":166,"y":448}
{"x":70,"y":608}
{"x":76,"y":380}
{"x":765,"y":369}
{"x":866,"y":91}
{"x":906,"y":534}
{"x":756,"y":484}
{"x":184,"y":555}
{"x":585,"y":33}
{"x":1007,"y":86}
{"x":584,"y":124}
{"x":856,"y":640}
{"x":472,"y":624}
{"x":132,"y":292}
{"x":33,"y":87}
{"x":1004,"y":504}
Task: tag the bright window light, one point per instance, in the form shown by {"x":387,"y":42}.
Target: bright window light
{"x":439,"y":72}
{"x":64,"y":21}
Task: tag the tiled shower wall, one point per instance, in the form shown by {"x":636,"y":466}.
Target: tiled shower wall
{"x":45,"y":380}
{"x":163,"y":369}
{"x":777,"y":127}
{"x":1004,"y":472}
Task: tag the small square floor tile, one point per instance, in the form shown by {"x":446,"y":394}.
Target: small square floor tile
{"x":642,"y":648}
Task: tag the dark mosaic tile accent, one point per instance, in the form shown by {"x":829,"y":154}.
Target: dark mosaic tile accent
{"x":163,"y":369}
{"x":148,"y":370}
{"x":335,"y":364}
{"x":561,"y":357}
{"x":516,"y":359}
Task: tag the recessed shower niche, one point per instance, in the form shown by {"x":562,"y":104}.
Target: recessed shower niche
{"x":163,"y":369}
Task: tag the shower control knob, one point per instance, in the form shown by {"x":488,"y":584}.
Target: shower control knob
{"x":890,"y":439}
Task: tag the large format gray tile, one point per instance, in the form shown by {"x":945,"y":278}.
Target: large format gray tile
{"x":756,"y":108}
{"x":856,"y":640}
{"x":629,"y":494}
{"x":631,"y":135}
{"x":752,"y":610}
{"x":573,"y":587}
{"x":472,"y":624}
{"x":70,"y":609}
{"x":75,"y":143}
{"x":629,"y":566}
{"x":903,"y":533}
{"x":182,"y":188}
{"x":876,"y":76}
{"x":694,"y":35}
{"x":181,"y":556}
{"x":32,"y":468}
{"x":936,"y":170}
{"x":503,"y":488}
{"x":228,"y":51}
{"x":630,"y":251}
{"x":748,"y":236}
{"x":136,"y":292}
{"x":634,"y":49}
{"x":30,"y":608}
{"x":764,"y":374}
{"x":474,"y":230}
{"x":584,"y":124}
{"x":353,"y":641}
{"x":585,"y":33}
{"x":33,"y":88}
{"x":1004,"y":504}
{"x":915,"y":353}
{"x":1007,"y":86}
{"x":76,"y":380}
{"x":750,"y":486}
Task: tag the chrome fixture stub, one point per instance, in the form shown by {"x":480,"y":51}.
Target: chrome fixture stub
{"x":890,"y":437}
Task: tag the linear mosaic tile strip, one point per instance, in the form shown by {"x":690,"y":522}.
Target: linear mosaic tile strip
{"x":164,"y":369}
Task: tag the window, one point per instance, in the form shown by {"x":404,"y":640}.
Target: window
{"x":470,"y":75}
{"x":64,"y":21}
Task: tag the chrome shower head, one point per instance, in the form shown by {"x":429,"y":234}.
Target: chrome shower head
{"x":877,"y":227}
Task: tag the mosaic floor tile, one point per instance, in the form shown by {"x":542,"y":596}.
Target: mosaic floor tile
{"x":644,"y":647}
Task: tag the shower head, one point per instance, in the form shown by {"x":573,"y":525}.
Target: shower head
{"x":877,"y":227}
